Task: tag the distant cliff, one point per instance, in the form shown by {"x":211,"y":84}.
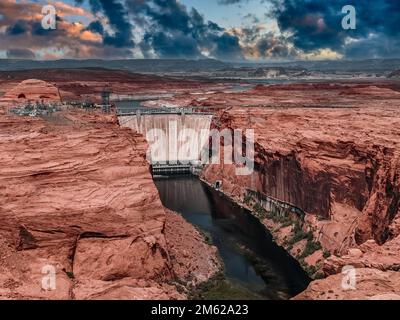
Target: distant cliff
{"x":134,"y":65}
{"x":369,"y":66}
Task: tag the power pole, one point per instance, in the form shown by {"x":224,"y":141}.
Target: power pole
{"x":105,"y":96}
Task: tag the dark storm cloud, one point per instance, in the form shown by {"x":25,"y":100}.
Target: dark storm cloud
{"x":115,"y":11}
{"x":96,"y":27}
{"x":226,"y":46}
{"x":271,"y":46}
{"x":173,"y":30}
{"x":173,"y":46}
{"x":169,"y":28}
{"x":117,"y":18}
{"x":20,"y":54}
{"x":32,"y":28}
{"x":374,"y":47}
{"x":19,"y":27}
{"x":315,"y":24}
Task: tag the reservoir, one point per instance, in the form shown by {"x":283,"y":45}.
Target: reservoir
{"x":128,"y":105}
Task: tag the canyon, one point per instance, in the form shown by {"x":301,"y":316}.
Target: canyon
{"x":77,"y":196}
{"x":338,"y":162}
{"x":77,"y":192}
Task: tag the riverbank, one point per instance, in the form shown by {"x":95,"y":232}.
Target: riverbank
{"x":194,"y":260}
{"x":290,"y":234}
{"x":366,"y":264}
{"x":253,"y":266}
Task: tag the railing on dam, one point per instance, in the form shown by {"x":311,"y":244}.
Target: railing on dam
{"x":277,"y":207}
{"x":169,"y":169}
{"x":156,"y":111}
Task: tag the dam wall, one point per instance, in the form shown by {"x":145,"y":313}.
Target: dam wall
{"x":173,"y":138}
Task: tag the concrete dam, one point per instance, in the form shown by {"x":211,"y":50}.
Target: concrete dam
{"x":177,"y":138}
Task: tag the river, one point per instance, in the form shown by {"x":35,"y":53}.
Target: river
{"x":254,"y":266}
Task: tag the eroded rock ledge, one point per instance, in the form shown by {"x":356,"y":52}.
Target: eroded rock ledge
{"x":77,"y":195}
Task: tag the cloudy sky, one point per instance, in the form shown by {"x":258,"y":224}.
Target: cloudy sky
{"x":232,"y":30}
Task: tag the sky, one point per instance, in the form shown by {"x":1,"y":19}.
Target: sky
{"x":229,"y":30}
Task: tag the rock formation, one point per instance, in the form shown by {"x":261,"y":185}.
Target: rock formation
{"x":340,"y":165}
{"x":372,"y":284}
{"x":193,"y":261}
{"x":77,"y":198}
{"x":32,"y":90}
{"x":319,"y":161}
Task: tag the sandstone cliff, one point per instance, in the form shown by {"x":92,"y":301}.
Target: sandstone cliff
{"x":77,"y":196}
{"x":319,"y":161}
{"x":339,"y":165}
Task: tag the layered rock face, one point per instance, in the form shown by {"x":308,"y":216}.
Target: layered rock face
{"x":326,"y":162}
{"x":77,"y":199}
{"x":81,"y":200}
{"x":339,"y":165}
